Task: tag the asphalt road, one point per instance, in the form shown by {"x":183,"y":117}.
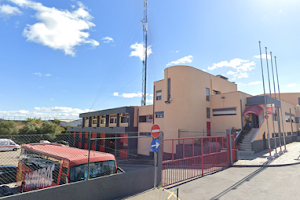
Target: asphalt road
{"x":245,"y":183}
{"x":9,"y":157}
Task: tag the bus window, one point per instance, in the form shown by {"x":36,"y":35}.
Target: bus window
{"x":97,"y":169}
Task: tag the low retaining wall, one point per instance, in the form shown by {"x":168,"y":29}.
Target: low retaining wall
{"x":109,"y":187}
{"x":258,"y":145}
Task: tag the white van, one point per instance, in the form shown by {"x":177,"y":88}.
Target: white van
{"x":8,"y":145}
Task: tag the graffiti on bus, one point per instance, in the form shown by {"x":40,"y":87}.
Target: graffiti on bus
{"x":39,"y":178}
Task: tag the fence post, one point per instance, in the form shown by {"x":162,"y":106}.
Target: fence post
{"x":89,"y":146}
{"x":202,"y":153}
{"x":228,"y":132}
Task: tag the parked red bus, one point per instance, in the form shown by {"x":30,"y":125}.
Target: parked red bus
{"x":44,"y":165}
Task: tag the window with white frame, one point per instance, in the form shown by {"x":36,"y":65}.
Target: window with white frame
{"x":113,"y":119}
{"x":287,"y":118}
{"x":159,"y":114}
{"x":103,"y":120}
{"x":95,"y":121}
{"x":158,"y":95}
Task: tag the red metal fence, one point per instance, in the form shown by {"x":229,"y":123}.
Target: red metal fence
{"x":187,"y":158}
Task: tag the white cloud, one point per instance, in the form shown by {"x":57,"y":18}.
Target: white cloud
{"x":45,"y":112}
{"x":37,"y":73}
{"x":130,"y":95}
{"x":291,"y":85}
{"x":280,"y":10}
{"x":48,"y":75}
{"x":108,"y":39}
{"x":186,"y":59}
{"x":51,"y":99}
{"x":254,"y":83}
{"x":9,"y":10}
{"x":243,"y":75}
{"x":263,"y":56}
{"x":204,"y":70}
{"x":241,"y":66}
{"x":60,"y":109}
{"x":149,"y":100}
{"x":241,"y":84}
{"x":231,"y":73}
{"x":58,"y":29}
{"x":139,"y":50}
{"x":233,"y":64}
{"x":246,"y":66}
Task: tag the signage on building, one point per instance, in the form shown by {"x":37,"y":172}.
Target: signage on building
{"x":270,"y":109}
{"x":155,"y":130}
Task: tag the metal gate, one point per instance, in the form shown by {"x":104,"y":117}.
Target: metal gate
{"x":187,"y":158}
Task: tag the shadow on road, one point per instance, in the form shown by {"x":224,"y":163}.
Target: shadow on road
{"x":240,"y":182}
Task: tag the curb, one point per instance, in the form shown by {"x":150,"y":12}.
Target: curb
{"x":280,"y":165}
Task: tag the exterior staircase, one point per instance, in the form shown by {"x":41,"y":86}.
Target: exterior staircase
{"x":246,"y":146}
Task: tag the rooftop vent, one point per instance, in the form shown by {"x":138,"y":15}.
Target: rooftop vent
{"x":223,"y":77}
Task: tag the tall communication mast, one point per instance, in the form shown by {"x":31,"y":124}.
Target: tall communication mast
{"x":144,"y":72}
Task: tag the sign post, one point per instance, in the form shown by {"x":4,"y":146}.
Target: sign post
{"x":155,"y":144}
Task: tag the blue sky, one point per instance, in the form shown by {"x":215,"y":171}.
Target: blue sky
{"x":61,"y":58}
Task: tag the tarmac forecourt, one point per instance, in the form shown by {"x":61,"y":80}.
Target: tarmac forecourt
{"x":245,"y":169}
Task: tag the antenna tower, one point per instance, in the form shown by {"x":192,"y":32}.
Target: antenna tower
{"x":144,"y":72}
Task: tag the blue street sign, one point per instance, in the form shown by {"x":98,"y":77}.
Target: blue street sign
{"x":155,"y":145}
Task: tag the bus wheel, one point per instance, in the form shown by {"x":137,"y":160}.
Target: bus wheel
{"x":15,"y":149}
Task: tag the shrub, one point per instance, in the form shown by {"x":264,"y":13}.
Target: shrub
{"x":49,"y":128}
{"x":8,"y":128}
{"x":30,"y":128}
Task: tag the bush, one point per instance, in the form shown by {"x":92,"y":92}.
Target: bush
{"x":35,"y":120}
{"x":8,"y":128}
{"x":49,"y":128}
{"x":56,"y":121}
{"x":30,"y":128}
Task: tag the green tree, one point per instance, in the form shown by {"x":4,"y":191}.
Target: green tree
{"x":8,"y":128}
{"x":30,"y":128}
{"x":49,"y":128}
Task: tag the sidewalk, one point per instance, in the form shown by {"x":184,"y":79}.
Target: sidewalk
{"x":159,"y":194}
{"x":260,"y":159}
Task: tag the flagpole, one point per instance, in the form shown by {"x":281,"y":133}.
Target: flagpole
{"x":281,"y":108}
{"x":274,"y":136}
{"x":278,"y":120}
{"x":265,"y":100}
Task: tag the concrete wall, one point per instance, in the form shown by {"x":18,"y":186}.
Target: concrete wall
{"x":102,"y":188}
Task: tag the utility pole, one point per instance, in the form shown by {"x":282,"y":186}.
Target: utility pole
{"x":144,"y":72}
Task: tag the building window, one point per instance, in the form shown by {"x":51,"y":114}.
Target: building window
{"x":224,"y":111}
{"x":113,"y":119}
{"x":159,"y":114}
{"x":208,"y":113}
{"x":146,"y":118}
{"x":207,"y":94}
{"x":293,"y":118}
{"x":95,"y":121}
{"x":287,"y":118}
{"x":145,"y":133}
{"x":216,"y":92}
{"x":169,"y":89}
{"x":86,"y":122}
{"x":142,"y":118}
{"x":158,"y":95}
{"x":103,"y":119}
{"x":124,"y":119}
